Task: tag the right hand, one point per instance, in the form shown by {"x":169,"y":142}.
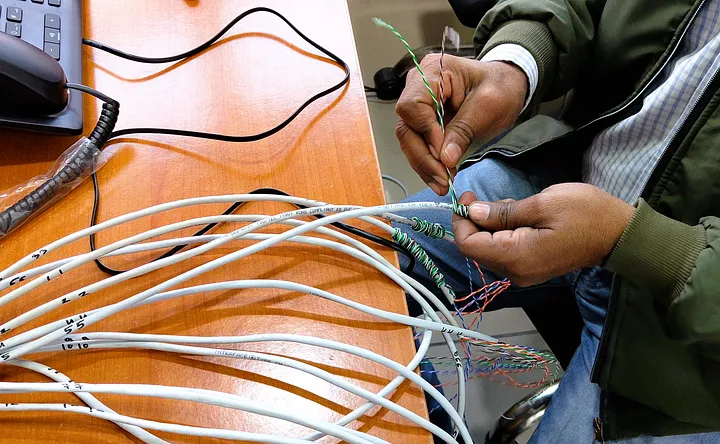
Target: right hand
{"x":482,"y":99}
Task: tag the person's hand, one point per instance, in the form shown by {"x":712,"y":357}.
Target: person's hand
{"x":564,"y":228}
{"x":481,"y":100}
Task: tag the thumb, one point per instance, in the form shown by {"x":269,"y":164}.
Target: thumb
{"x":459,"y":134}
{"x":507,"y":214}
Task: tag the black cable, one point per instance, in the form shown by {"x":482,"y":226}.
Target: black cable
{"x":95,"y":93}
{"x":77,"y":163}
{"x":226,"y":138}
{"x":208,"y":44}
{"x":370,"y":89}
{"x":231,"y":209}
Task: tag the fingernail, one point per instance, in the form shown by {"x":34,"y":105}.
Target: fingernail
{"x":479,"y":211}
{"x":453,"y":152}
{"x":433,"y":151}
{"x":442,"y":181}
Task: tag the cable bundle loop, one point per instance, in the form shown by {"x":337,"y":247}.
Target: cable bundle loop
{"x":421,"y":256}
{"x":430,"y":229}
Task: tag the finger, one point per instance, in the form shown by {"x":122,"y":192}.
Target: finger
{"x":430,"y":170}
{"x":417,"y":108}
{"x":515,"y":254}
{"x":463,"y":227}
{"x":482,"y":115}
{"x":508,"y":214}
{"x":499,"y":252}
{"x":471,"y":241}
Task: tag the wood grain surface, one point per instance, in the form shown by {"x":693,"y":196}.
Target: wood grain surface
{"x":245,"y":84}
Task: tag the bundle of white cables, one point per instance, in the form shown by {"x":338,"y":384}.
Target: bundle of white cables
{"x":18,"y":280}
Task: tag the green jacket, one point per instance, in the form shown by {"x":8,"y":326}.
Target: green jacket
{"x":659,"y":359}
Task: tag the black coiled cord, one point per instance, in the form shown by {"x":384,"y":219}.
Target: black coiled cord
{"x":106,"y":124}
{"x":81,"y":161}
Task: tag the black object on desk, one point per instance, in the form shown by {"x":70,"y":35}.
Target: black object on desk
{"x":54,"y":26}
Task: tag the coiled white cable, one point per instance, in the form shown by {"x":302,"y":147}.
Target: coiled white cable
{"x":37,"y":254}
{"x":25,"y":348}
{"x":209,"y":397}
{"x":295,"y":364}
{"x":127,"y":246}
{"x":308,"y":340}
{"x":127,"y":421}
{"x":88,"y":399}
{"x":461,"y":383}
{"x":45,"y":335}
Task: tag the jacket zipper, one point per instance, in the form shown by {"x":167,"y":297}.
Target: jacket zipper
{"x":598,"y":429}
{"x":507,"y":153}
{"x":685,"y":127}
{"x":687,"y":122}
{"x":611,"y":306}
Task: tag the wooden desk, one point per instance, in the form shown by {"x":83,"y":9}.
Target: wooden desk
{"x":245,"y":84}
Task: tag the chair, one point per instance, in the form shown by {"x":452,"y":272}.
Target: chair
{"x":521,"y":417}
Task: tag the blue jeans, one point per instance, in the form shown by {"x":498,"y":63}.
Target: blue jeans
{"x":569,"y":418}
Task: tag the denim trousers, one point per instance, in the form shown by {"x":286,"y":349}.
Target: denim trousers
{"x":569,"y":418}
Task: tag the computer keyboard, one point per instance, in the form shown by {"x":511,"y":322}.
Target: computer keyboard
{"x":55,"y":26}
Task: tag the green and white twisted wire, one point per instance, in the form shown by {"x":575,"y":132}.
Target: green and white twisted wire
{"x":458,"y":208}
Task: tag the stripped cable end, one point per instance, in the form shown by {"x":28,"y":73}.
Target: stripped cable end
{"x":451,"y":38}
{"x":382,"y":23}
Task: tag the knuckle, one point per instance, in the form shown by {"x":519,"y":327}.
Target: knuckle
{"x":431,"y":59}
{"x":500,"y":111}
{"x":410,"y":110}
{"x":463,"y":129}
{"x":536,"y":204}
{"x":404,"y":107}
{"x":412,"y":73}
{"x":506,"y":244}
{"x":504,"y":214}
{"x":401,"y":129}
{"x":493,"y":97}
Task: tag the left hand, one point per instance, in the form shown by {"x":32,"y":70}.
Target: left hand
{"x":564,"y":228}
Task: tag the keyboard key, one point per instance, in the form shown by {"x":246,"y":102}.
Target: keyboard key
{"x":52,"y":35}
{"x":52,"y":21}
{"x":38,"y":1}
{"x":14,"y":14}
{"x":53,"y":49}
{"x":54,"y":2}
{"x":13,"y":29}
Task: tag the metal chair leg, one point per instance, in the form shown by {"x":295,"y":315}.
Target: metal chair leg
{"x":521,"y":416}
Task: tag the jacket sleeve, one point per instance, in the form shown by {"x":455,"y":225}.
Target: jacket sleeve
{"x":558,"y":33}
{"x":680,"y":265}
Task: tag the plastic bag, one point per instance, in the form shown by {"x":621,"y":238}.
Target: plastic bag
{"x":24,"y":201}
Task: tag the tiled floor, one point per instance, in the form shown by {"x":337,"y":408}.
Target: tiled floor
{"x":421,"y":22}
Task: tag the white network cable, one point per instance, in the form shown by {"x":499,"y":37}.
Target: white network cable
{"x":344,"y":212}
{"x":410,"y":290}
{"x":127,"y":421}
{"x":208,"y":397}
{"x":60,"y":335}
{"x":387,"y":267}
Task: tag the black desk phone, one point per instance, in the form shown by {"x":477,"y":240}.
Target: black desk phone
{"x":53,"y":28}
